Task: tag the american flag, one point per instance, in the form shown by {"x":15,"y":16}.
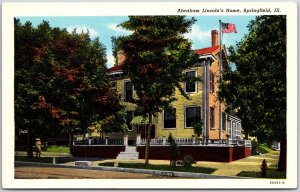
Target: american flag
{"x":228,"y":28}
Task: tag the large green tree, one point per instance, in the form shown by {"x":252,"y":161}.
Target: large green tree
{"x":61,"y":77}
{"x":156,"y":56}
{"x":257,"y":88}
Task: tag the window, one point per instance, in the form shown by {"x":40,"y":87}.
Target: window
{"x":223,"y":121}
{"x":211,"y":82}
{"x":169,"y":118}
{"x":114,"y":85}
{"x":212,"y":117}
{"x":128,"y":92}
{"x":129,"y":117}
{"x":191,"y":87}
{"x":192,"y":115}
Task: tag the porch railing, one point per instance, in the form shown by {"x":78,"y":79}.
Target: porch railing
{"x":164,"y":141}
{"x":99,"y":141}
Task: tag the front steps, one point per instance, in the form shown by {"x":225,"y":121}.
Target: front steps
{"x":130,"y":153}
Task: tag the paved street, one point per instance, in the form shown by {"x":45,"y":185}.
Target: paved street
{"x":27,"y":172}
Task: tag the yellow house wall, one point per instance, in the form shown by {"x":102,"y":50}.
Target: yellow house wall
{"x":180,"y":104}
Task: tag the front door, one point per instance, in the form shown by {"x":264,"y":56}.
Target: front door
{"x":143,"y":131}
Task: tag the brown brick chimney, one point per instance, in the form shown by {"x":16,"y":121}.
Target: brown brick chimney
{"x":121,"y":57}
{"x":214,"y":38}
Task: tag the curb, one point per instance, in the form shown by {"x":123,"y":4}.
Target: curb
{"x":131,"y":170}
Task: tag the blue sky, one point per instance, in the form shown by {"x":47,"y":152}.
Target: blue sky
{"x":105,"y":27}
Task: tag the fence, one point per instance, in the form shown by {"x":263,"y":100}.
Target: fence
{"x":164,"y":141}
{"x":194,"y":141}
{"x":99,"y":141}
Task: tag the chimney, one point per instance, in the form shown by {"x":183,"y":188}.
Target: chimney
{"x":214,"y":38}
{"x":120,"y":57}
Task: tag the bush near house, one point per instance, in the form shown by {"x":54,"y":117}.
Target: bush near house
{"x":260,"y":148}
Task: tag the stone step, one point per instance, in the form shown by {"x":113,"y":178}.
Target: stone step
{"x":128,"y":155}
{"x":130,"y":149}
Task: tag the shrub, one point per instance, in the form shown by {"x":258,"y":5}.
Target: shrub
{"x":188,"y":161}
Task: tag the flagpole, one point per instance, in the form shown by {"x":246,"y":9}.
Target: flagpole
{"x":220,"y":78}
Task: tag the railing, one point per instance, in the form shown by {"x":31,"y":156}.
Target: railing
{"x":164,"y":141}
{"x":194,"y":141}
{"x":99,"y":142}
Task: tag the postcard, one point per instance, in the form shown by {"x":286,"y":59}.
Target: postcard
{"x":140,"y":95}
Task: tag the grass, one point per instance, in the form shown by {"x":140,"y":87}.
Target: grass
{"x":161,"y":167}
{"x":271,"y":173}
{"x":264,"y":148}
{"x":51,"y":148}
{"x":58,"y":149}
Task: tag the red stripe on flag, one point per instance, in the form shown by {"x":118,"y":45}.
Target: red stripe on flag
{"x":229,"y":29}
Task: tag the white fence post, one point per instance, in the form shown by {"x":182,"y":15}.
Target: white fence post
{"x":126,"y":140}
{"x":138,"y":139}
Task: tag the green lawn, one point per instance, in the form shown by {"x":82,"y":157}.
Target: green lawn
{"x":58,"y":149}
{"x":51,"y":148}
{"x":271,"y":173}
{"x":160,"y":167}
{"x":264,"y":149}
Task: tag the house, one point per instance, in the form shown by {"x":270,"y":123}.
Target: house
{"x":203,"y":103}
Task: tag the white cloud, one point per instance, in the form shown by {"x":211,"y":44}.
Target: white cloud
{"x":199,"y":37}
{"x":114,"y":27}
{"x":110,"y":60}
{"x":93,"y":33}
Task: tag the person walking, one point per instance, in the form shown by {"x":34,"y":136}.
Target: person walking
{"x":38,"y":147}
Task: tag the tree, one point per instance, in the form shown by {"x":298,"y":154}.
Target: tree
{"x":173,"y":150}
{"x":257,"y":88}
{"x":61,"y":77}
{"x":156,"y":56}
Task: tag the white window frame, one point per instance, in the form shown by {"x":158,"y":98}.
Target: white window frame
{"x":192,"y":106}
{"x":196,"y":82}
{"x":163,"y":120}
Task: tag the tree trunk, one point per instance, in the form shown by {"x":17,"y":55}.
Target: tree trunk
{"x":71,"y":138}
{"x":147,"y":150}
{"x":282,"y":156}
{"x":29,"y":143}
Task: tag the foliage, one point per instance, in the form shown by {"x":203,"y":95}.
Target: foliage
{"x":257,"y":88}
{"x":61,"y":82}
{"x":173,"y":150}
{"x":198,"y":127}
{"x":156,"y":56}
{"x":187,"y":161}
{"x":262,"y":148}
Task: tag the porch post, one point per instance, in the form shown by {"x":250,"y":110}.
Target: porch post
{"x":138,"y":139}
{"x":164,"y":140}
{"x":126,"y":140}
